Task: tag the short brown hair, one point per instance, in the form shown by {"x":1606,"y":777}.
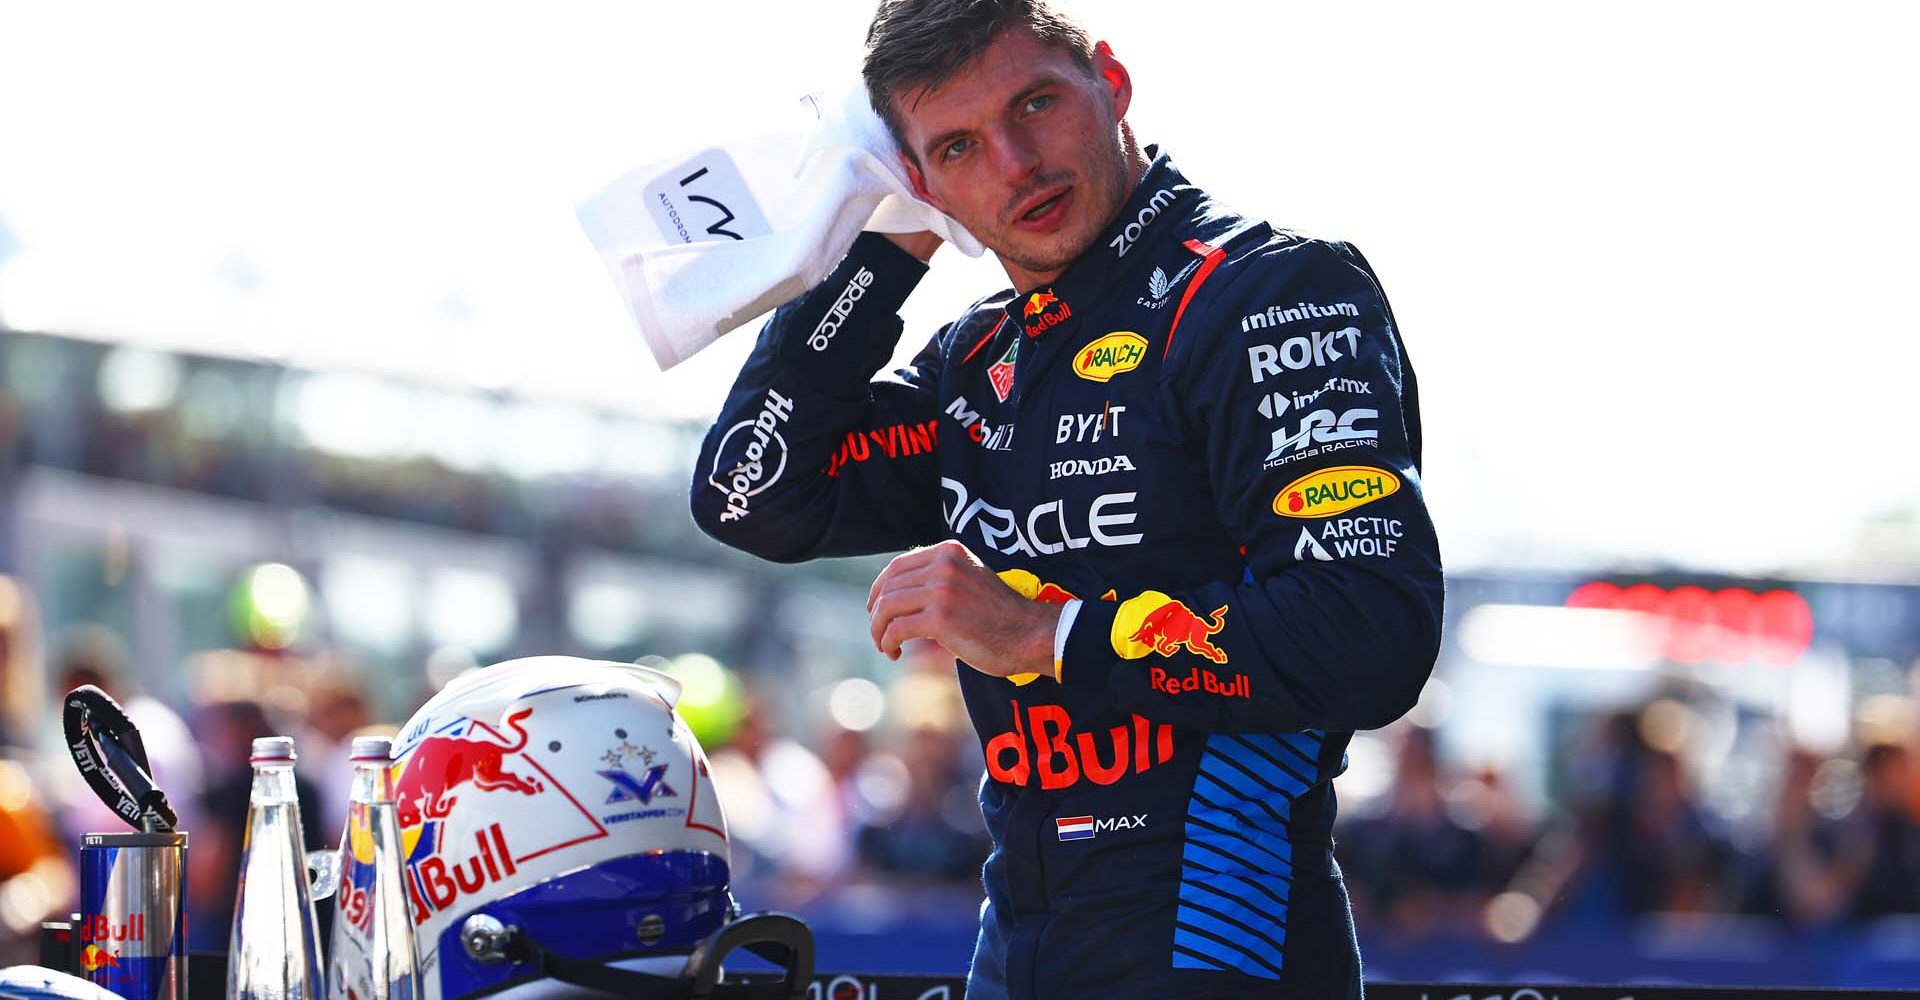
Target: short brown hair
{"x":923,"y":43}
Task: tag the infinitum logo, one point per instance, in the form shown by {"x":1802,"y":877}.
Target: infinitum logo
{"x":1280,"y":315}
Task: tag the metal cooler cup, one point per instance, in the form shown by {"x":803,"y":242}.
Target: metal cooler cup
{"x":132,"y":933}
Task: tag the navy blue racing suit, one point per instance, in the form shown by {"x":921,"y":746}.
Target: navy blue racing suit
{"x":1204,"y":440}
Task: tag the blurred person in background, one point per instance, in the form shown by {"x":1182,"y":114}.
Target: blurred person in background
{"x":36,"y":878}
{"x":931,"y":832}
{"x":337,"y":710}
{"x":1799,"y":874}
{"x":94,"y":654}
{"x":1415,"y":867}
{"x":782,"y":807}
{"x":1881,"y":842}
{"x":1203,"y":706}
{"x":227,"y":730}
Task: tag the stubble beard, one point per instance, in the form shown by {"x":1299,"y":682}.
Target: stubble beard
{"x":1106,"y":175}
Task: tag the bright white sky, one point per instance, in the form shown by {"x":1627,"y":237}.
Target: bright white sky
{"x":1653,"y":261}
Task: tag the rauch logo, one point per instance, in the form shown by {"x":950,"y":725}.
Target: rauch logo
{"x":1114,"y":354}
{"x":1334,"y":491}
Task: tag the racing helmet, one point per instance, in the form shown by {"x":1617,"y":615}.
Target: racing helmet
{"x":561,"y":803}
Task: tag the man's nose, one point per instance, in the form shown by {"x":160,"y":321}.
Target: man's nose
{"x":1014,"y":154}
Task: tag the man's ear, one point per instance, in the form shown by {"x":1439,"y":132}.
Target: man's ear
{"x":919,"y":182}
{"x":1115,"y":76}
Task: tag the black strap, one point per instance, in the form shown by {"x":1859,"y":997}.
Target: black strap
{"x":777,"y":937}
{"x":108,"y":750}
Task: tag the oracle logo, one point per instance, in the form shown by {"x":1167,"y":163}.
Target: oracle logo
{"x":1697,"y":625}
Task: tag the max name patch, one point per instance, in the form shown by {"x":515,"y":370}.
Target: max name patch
{"x":1334,"y":491}
{"x":1114,"y":354}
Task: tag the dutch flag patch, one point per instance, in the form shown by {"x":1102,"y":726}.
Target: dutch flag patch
{"x":1074,"y":827}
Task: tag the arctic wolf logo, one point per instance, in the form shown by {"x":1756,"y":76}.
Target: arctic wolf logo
{"x":441,"y":764}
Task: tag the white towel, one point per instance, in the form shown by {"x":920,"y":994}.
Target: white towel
{"x":703,"y":242}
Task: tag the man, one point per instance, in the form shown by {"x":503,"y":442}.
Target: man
{"x":1169,"y":491}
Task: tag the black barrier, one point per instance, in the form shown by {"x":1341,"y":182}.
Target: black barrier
{"x":207,"y":980}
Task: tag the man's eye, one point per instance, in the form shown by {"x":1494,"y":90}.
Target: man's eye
{"x":1038,"y":103}
{"x":955,"y":148}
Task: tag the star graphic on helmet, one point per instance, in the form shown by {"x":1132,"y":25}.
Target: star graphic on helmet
{"x":612,"y":757}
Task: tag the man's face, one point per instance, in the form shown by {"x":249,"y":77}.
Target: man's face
{"x":1023,"y":148}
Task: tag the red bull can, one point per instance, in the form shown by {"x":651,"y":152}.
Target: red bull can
{"x":132,"y":932}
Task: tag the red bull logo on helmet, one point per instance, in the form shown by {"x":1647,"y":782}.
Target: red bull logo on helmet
{"x":474,"y":806}
{"x":1155,"y":623}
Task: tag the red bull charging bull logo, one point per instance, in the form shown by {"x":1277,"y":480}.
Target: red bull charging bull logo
{"x":1156,"y":623}
{"x":1044,"y":311}
{"x":93,"y":958}
{"x":474,"y":806}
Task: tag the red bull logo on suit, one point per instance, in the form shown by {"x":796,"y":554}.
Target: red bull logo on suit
{"x":1155,"y":623}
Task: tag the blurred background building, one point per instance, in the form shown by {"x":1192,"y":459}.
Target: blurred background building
{"x":1694,"y":776}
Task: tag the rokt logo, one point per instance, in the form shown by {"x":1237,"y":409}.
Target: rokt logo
{"x":1334,"y":491}
{"x":1114,"y":354}
{"x":1311,"y":350}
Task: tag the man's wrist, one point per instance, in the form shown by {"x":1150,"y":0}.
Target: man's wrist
{"x":844,"y":329}
{"x":1086,"y":646}
{"x":921,"y":245}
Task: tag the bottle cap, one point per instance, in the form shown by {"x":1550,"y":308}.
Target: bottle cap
{"x":271,"y":748}
{"x":372,"y":748}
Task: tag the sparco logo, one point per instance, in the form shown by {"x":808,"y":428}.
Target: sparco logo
{"x":842,"y":308}
{"x":751,"y":455}
{"x":1130,"y":235}
{"x":1306,"y":351}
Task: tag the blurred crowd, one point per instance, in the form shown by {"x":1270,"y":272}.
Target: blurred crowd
{"x":823,"y":804}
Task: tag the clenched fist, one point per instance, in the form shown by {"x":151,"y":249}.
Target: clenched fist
{"x":945,"y":593}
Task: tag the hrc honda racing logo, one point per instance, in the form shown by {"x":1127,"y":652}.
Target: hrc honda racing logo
{"x":751,"y":455}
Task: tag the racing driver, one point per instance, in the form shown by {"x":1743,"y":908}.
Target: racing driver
{"x":1161,"y":499}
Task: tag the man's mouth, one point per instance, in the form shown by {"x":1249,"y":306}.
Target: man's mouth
{"x":1045,"y":212}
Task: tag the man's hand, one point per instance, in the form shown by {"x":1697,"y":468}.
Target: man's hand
{"x":944,"y":593}
{"x":921,"y":245}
